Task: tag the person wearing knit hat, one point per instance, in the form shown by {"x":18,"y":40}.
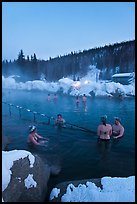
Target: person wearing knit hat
{"x":34,"y":138}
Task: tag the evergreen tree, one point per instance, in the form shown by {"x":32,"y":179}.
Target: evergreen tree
{"x":21,"y":58}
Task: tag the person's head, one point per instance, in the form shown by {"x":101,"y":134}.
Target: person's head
{"x":104,"y":119}
{"x":117,"y":120}
{"x":32,"y":128}
{"x":59,"y":116}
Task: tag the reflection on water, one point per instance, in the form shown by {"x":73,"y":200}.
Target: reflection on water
{"x":79,"y":153}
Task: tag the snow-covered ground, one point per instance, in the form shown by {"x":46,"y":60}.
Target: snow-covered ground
{"x":89,"y":84}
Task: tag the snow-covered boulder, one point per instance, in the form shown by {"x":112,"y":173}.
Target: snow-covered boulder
{"x":28,"y":183}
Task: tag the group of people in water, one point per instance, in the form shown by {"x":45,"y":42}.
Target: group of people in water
{"x":36,"y":139}
{"x":55,"y":97}
{"x":84,"y":99}
{"x":104,"y":130}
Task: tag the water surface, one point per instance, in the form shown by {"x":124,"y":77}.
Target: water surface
{"x":79,"y":154}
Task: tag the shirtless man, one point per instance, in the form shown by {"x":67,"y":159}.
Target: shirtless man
{"x":84,"y":98}
{"x":77,"y":100}
{"x":48,"y":97}
{"x":117,"y":128}
{"x":55,"y":97}
{"x":34,"y":138}
{"x":104,"y":130}
{"x":59,"y":120}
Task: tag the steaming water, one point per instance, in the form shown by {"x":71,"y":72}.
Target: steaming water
{"x":79,"y":153}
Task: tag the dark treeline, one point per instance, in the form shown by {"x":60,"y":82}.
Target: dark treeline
{"x":110,"y":59}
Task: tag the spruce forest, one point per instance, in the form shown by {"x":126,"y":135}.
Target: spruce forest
{"x":109,"y":59}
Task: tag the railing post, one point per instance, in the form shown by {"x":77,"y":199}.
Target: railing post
{"x":10,"y":109}
{"x":34,"y":114}
{"x":20,"y":111}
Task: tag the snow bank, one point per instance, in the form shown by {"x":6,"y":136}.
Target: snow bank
{"x":86,"y":85}
{"x":8,"y":157}
{"x":115,"y":189}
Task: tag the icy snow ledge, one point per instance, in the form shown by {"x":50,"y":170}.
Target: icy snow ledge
{"x":114,"y":189}
{"x":8,"y":157}
{"x":54,"y":193}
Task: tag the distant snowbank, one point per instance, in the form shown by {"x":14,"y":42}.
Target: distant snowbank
{"x":87,"y":85}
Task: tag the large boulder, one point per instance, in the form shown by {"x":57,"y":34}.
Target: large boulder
{"x":16,"y":190}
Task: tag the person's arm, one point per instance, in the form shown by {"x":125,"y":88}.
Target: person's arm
{"x":32,"y":139}
{"x":98,"y":131}
{"x":37,"y":135}
{"x":121,"y":133}
{"x":41,"y":137}
{"x":110,"y":131}
{"x":113,"y":130}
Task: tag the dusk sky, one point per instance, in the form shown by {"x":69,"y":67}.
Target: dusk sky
{"x":50,"y":29}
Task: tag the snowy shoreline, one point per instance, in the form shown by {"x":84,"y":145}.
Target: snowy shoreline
{"x":87,"y":85}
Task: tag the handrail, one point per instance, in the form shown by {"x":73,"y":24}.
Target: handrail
{"x":44,"y":115}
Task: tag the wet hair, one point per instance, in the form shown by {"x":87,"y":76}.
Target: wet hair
{"x":118,"y":119}
{"x":59,"y":115}
{"x":104,"y":119}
